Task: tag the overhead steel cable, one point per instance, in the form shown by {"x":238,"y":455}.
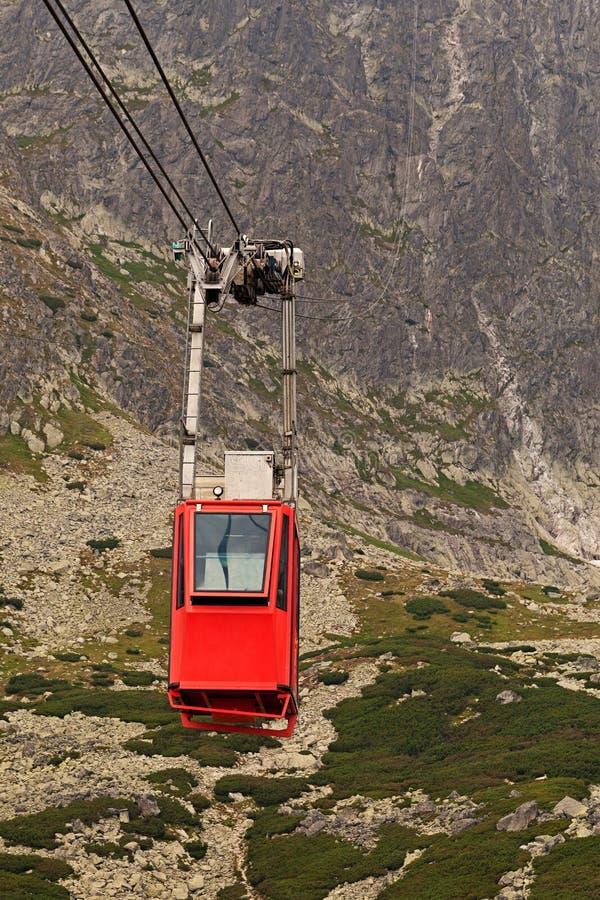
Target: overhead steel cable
{"x":182,"y":115}
{"x":120,"y":122}
{"x":130,"y":119}
{"x":303,"y":315}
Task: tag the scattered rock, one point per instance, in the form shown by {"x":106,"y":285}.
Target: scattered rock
{"x":316,"y":569}
{"x":461,"y":637}
{"x":147,"y":805}
{"x":522,"y":817}
{"x":508,"y":697}
{"x":569,"y":808}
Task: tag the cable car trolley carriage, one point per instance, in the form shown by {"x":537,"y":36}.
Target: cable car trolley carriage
{"x":233,"y":663}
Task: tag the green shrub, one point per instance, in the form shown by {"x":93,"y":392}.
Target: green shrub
{"x":333,"y":676}
{"x":75,"y":485}
{"x":39,"y":829}
{"x":196,"y":849}
{"x":493,"y":587}
{"x":369,"y":575}
{"x":425,"y":607}
{"x":31,"y":684}
{"x":96,"y":445}
{"x":149,"y":707}
{"x":264,"y":791}
{"x":162,"y":553}
{"x":134,"y":631}
{"x":15,"y":602}
{"x":108,"y":849}
{"x":177,"y":779}
{"x":101,"y":544}
{"x":28,"y":887}
{"x":102,"y":679}
{"x":207,"y":749}
{"x":570,"y":871}
{"x":133,"y":651}
{"x":76,"y":454}
{"x":474,"y":599}
{"x":418,"y":742}
{"x":551,"y":589}
{"x":18,"y":863}
{"x":53,"y":303}
{"x":153,"y":827}
{"x":67,"y":656}
{"x":199,"y":802}
{"x":138,"y":679}
{"x":88,"y":316}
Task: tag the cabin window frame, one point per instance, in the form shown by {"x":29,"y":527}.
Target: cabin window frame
{"x":232,"y":596}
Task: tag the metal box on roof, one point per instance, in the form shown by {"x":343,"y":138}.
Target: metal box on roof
{"x":249,"y":475}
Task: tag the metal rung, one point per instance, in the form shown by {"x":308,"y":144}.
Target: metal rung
{"x":195,"y":329}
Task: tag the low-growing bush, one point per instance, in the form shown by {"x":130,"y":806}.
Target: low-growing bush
{"x":264,"y":791}
{"x":134,"y":631}
{"x":333,"y":676}
{"x":39,"y":829}
{"x":67,"y":656}
{"x":208,"y":750}
{"x":15,"y":602}
{"x":474,"y":599}
{"x":138,"y":679}
{"x":199,"y":802}
{"x":177,"y":779}
{"x":108,"y":849}
{"x":53,"y":303}
{"x":196,"y":849}
{"x":369,"y":575}
{"x":425,"y":607}
{"x":75,"y":485}
{"x":31,"y":684}
{"x":100,"y":545}
{"x":493,"y":587}
{"x":162,"y":553}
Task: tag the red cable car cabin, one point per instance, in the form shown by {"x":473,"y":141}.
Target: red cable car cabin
{"x":234,"y":616}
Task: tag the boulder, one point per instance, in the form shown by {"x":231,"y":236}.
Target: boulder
{"x":508,"y":697}
{"x":569,"y":808}
{"x":521,"y":819}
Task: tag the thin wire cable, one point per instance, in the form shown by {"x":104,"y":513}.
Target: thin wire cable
{"x":303,"y":315}
{"x":130,"y":118}
{"x":120,"y":122}
{"x":182,"y":116}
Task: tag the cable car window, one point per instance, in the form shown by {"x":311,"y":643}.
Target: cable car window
{"x":231,"y":551}
{"x":281,"y":601}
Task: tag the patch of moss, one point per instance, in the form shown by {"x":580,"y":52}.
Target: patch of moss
{"x":209,"y":750}
{"x":15,"y":456}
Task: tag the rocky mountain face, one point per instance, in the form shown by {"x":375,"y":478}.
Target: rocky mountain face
{"x":436,"y":162}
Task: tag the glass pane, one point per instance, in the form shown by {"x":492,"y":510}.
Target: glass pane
{"x":231,"y":551}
